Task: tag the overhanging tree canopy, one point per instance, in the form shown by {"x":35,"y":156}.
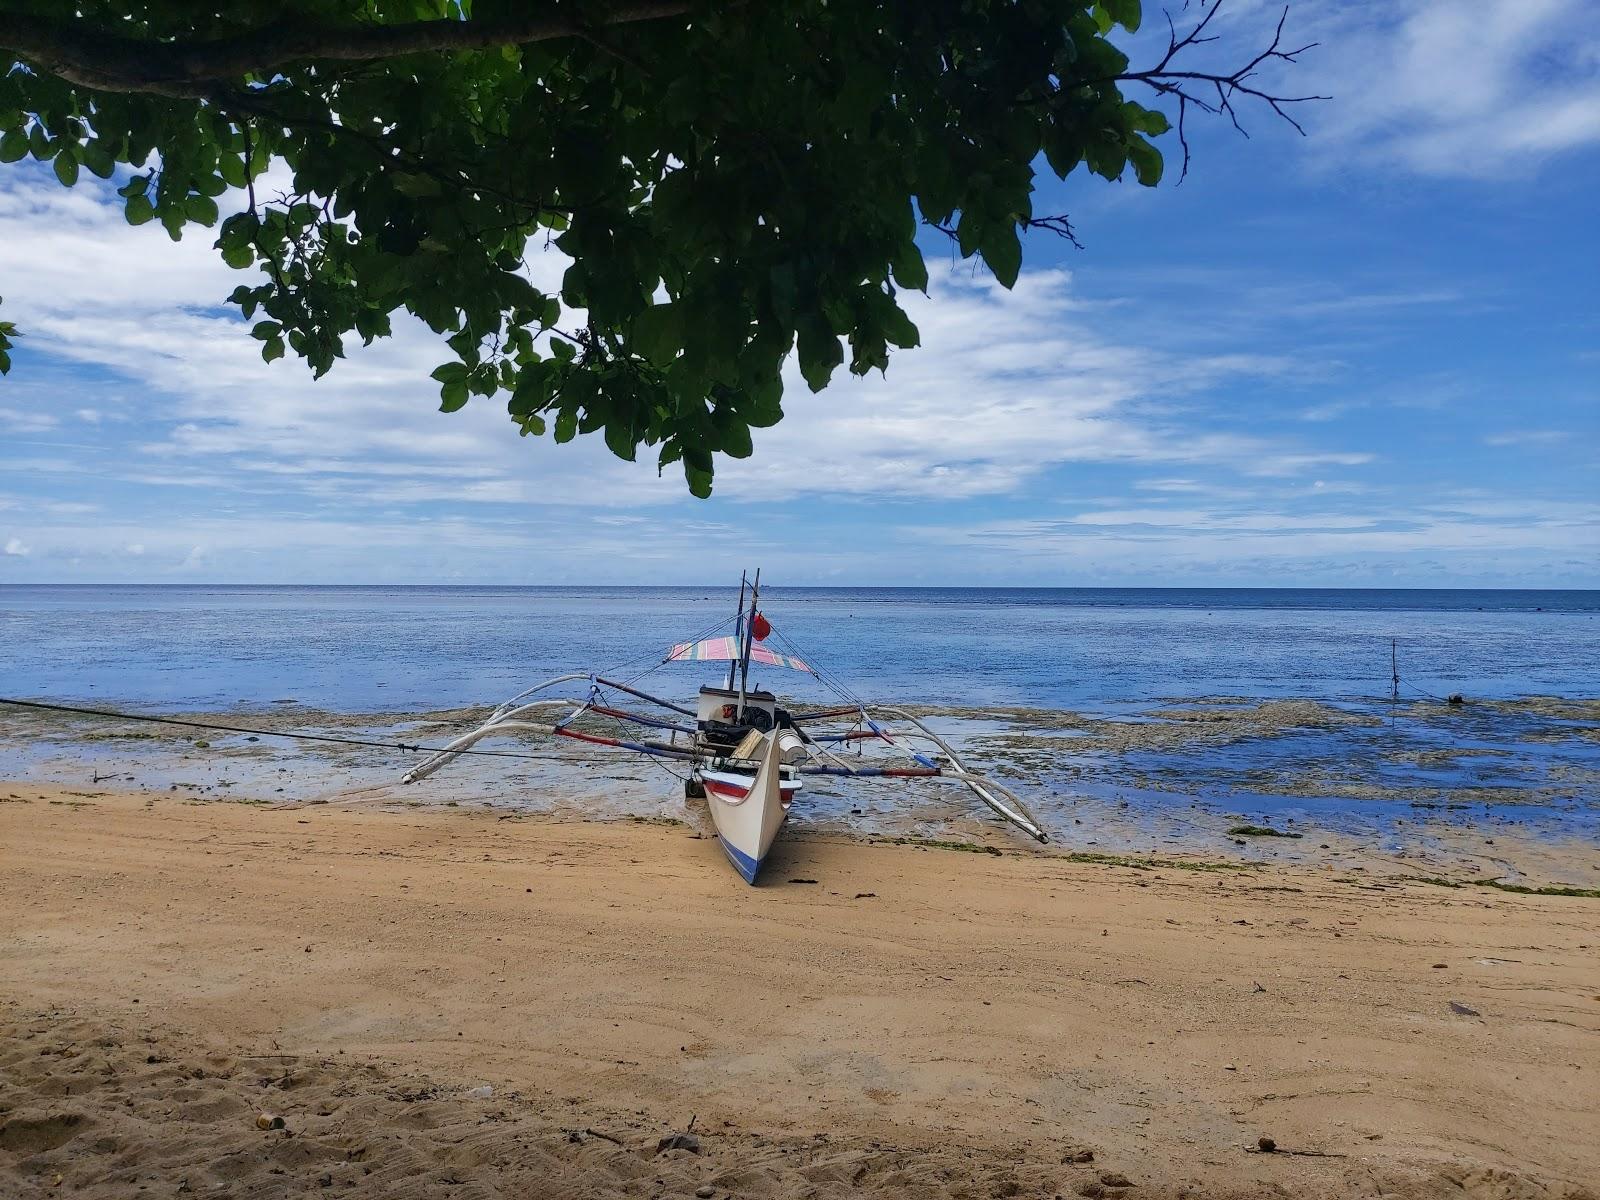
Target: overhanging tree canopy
{"x":731,"y":181}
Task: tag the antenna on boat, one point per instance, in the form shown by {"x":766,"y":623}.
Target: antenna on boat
{"x":733,"y":663}
{"x":749,"y":632}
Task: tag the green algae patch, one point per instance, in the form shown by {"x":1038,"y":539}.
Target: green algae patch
{"x":1519,"y":889}
{"x":936,"y":844}
{"x":1134,"y":862}
{"x":1262,"y":831}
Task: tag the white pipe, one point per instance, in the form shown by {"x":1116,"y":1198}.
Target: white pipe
{"x":538,"y":687}
{"x":466,"y":741}
{"x":1021,"y":817}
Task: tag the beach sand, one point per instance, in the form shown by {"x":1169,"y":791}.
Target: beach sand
{"x":877,"y":1020}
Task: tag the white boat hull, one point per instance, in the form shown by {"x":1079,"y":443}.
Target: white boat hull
{"x":748,"y":809}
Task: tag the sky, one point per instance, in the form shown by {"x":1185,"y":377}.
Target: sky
{"x":1365,"y":357}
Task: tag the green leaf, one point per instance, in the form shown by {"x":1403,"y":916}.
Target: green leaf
{"x":453,"y":395}
{"x":238,"y":255}
{"x":416,"y":186}
{"x":1146,"y":160}
{"x":1003,"y":252}
{"x":450,"y":372}
{"x":736,"y":439}
{"x":657,"y":333}
{"x":1106,"y":158}
{"x":272,"y":350}
{"x":264,"y":331}
{"x":566,"y":425}
{"x":1124,"y":12}
{"x":231,"y":168}
{"x":139,"y":209}
{"x":98,"y":159}
{"x":66,"y":168}
{"x":1145,"y":120}
{"x":484,"y":380}
{"x":13,"y":146}
{"x":898,"y":329}
{"x":699,"y":481}
{"x":200,"y":209}
{"x":819,"y":352}
{"x":620,"y":440}
{"x":910,"y":271}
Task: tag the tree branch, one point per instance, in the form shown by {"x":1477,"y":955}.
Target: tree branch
{"x":93,"y":58}
{"x":1057,"y":224}
{"x":1182,"y":85}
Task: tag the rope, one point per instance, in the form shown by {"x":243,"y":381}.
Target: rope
{"x":219,"y":728}
{"x":658,"y":662}
{"x":827,"y":678}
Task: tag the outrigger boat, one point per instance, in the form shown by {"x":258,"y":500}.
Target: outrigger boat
{"x":746,"y":756}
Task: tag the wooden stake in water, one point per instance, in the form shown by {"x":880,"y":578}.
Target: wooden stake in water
{"x":1394,"y":667}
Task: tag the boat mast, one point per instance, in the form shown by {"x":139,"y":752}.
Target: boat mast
{"x":749,"y":640}
{"x":733,"y":663}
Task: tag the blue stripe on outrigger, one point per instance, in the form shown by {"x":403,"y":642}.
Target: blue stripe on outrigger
{"x":884,"y":734}
{"x":741,"y":861}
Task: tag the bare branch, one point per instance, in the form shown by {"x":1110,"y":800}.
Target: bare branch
{"x":1196,"y":88}
{"x":91,"y":57}
{"x":1057,"y":224}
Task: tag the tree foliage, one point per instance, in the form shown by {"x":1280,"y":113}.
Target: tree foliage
{"x":731,"y":182}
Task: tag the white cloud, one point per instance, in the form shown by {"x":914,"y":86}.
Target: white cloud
{"x":15,"y":548}
{"x":1457,"y":88}
{"x":1527,"y":437}
{"x":1491,"y":541}
{"x":1006,"y":385}
{"x":20,"y":420}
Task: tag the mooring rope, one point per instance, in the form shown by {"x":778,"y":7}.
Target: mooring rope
{"x":112,"y":714}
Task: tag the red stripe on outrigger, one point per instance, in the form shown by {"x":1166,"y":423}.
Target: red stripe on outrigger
{"x":658,"y":750}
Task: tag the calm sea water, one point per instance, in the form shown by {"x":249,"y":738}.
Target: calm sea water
{"x":358,"y":649}
{"x":1398,"y":778}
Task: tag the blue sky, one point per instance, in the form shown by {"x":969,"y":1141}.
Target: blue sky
{"x":1368,"y":357}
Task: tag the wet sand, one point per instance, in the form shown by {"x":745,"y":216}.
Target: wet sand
{"x":880,"y":1019}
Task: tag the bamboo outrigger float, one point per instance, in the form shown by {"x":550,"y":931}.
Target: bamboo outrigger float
{"x":744,"y":755}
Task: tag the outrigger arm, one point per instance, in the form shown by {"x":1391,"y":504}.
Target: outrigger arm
{"x":506,"y":719}
{"x":1005,"y":803}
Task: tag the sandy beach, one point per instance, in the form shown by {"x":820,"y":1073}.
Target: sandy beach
{"x":893,"y":1019}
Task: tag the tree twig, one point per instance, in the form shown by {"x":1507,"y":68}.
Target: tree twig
{"x":1196,"y":87}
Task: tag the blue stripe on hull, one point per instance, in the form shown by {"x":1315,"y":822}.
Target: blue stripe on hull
{"x":742,"y":862}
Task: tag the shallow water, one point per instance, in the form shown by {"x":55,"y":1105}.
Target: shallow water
{"x":1130,"y":716}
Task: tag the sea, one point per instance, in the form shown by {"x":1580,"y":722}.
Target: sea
{"x":1325,"y":708}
